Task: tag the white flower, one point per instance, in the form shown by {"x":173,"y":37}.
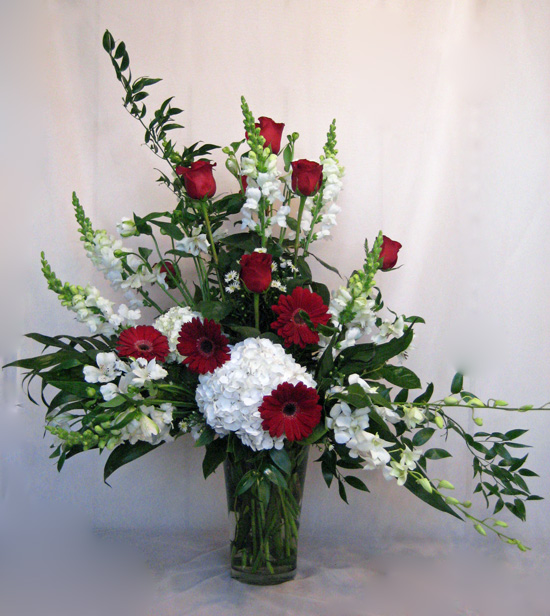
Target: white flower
{"x":232,"y":276}
{"x":397,"y":470}
{"x":387,"y":415}
{"x":280,"y":216}
{"x":231,"y":395}
{"x":277,"y":284}
{"x":194,"y":244}
{"x":152,"y":425}
{"x":234,"y":286}
{"x":412,"y":416}
{"x":143,"y":371}
{"x":346,"y":422}
{"x":248,"y":165}
{"x":409,"y":457}
{"x":109,"y":391}
{"x":389,"y":329}
{"x":126,"y":227}
{"x":371,"y":448}
{"x":355,"y":379}
{"x":170,"y":324}
{"x":109,"y":367}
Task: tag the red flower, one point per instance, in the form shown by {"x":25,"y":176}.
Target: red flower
{"x":292,"y":410}
{"x":290,"y":325}
{"x":198,"y":179}
{"x":256,"y":271}
{"x":388,"y":254}
{"x":244,"y":182}
{"x":272,"y":132}
{"x":306,"y":177}
{"x":169,"y":269}
{"x":203,"y":345}
{"x":142,"y":341}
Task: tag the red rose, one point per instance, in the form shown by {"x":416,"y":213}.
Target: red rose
{"x":306,"y":177}
{"x":388,"y":254}
{"x":198,"y":179}
{"x":256,"y":271}
{"x":271,"y":132}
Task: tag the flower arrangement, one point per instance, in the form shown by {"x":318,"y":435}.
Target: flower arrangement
{"x":255,"y":359}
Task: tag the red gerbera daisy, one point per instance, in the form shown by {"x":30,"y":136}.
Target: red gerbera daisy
{"x":143,"y":341}
{"x":290,"y":325}
{"x":203,"y":345}
{"x":292,"y":410}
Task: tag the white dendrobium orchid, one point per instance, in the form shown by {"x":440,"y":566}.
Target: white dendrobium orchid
{"x":389,"y":329}
{"x":388,"y":415}
{"x":143,"y":371}
{"x":396,"y":470}
{"x":409,"y":457}
{"x":108,"y":368}
{"x":346,"y":422}
{"x":195,"y":243}
{"x":371,"y":448}
{"x":355,"y":379}
{"x":412,"y":416}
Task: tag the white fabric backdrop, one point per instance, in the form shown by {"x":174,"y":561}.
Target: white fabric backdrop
{"x":443,"y":113}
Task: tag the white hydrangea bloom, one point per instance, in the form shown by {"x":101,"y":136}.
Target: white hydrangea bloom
{"x":170,"y":324}
{"x":230,"y":396}
{"x":108,"y":368}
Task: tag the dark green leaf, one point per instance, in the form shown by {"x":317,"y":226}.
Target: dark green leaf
{"x":437,"y":454}
{"x":281,"y":459}
{"x":216,"y":311}
{"x":422,"y":436}
{"x":125,"y":453}
{"x":274,"y":475}
{"x":457,"y":383}
{"x":426,"y":395}
{"x":216,"y":452}
{"x":108,"y":41}
{"x":356,"y":483}
{"x":400,"y":376}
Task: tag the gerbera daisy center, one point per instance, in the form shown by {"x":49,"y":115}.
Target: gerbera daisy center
{"x":143,"y":345}
{"x":297,"y":317}
{"x":206,"y":346}
{"x":290,"y":409}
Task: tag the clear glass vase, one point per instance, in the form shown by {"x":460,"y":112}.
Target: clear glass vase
{"x":264,"y":501}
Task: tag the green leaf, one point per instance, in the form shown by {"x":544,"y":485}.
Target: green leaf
{"x":168,"y":228}
{"x":422,"y":436}
{"x":274,"y":475}
{"x":400,"y":376}
{"x":216,"y":311}
{"x":373,"y":356}
{"x":318,"y":432}
{"x":513,"y":434}
{"x":78,"y":388}
{"x":457,"y":383}
{"x":244,"y":330}
{"x":329,"y":267}
{"x":145,"y":252}
{"x":402,"y":396}
{"x":322,"y":290}
{"x":342,"y":492}
{"x":246,"y":482}
{"x":216,"y":452}
{"x":356,"y":483}
{"x":108,"y":42}
{"x":426,"y":395}
{"x":125,"y":453}
{"x":287,"y":157}
{"x":437,"y":454}
{"x":206,"y":436}
{"x":281,"y":459}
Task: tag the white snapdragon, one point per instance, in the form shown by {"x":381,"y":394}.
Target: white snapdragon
{"x":107,"y":254}
{"x":108,"y":368}
{"x":230,"y":396}
{"x":170,"y":324}
{"x":126,"y":227}
{"x":195,"y":243}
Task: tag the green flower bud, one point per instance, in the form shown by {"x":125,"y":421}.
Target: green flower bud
{"x":480,"y":530}
{"x":526,"y":407}
{"x":501,"y":524}
{"x":227,"y":150}
{"x":445,"y":485}
{"x":450,"y":401}
{"x":478,"y":421}
{"x":521,"y":547}
{"x":439,"y":422}
{"x":99,"y":430}
{"x":501,"y":403}
{"x":476,"y":402}
{"x":467,"y":504}
{"x":451,"y":500}
{"x":91,"y":392}
{"x":425,"y":483}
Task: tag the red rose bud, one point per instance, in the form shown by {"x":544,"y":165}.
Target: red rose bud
{"x":198,"y":179}
{"x":388,"y":254}
{"x":306,"y":177}
{"x":271,"y":132}
{"x":169,"y":269}
{"x":256,"y":271}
